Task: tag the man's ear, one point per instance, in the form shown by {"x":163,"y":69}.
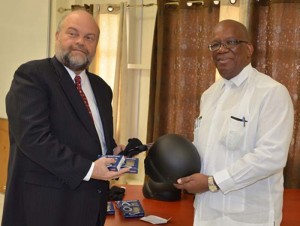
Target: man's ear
{"x":250,"y":50}
{"x":56,"y":35}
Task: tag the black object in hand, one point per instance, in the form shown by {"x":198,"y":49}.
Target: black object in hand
{"x":134,"y":147}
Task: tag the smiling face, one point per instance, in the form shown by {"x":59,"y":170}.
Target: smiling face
{"x":231,"y":61}
{"x":76,"y":40}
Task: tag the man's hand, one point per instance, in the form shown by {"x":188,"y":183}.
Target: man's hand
{"x":118,"y":149}
{"x":195,"y":183}
{"x":101,"y":172}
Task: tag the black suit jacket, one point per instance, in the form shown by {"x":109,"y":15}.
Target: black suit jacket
{"x":53,"y":142}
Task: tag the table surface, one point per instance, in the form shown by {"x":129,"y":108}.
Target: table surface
{"x":181,"y":212}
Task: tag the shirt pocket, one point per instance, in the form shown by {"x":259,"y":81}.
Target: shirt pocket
{"x":232,"y":133}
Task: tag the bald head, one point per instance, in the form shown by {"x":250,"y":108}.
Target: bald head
{"x":235,"y":50}
{"x":76,"y":40}
{"x":79,"y":13}
{"x":238,"y":29}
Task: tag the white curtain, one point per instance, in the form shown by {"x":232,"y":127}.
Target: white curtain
{"x":111,"y":64}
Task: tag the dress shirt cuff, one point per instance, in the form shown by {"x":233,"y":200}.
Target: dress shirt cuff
{"x":224,"y":181}
{"x":89,"y":174}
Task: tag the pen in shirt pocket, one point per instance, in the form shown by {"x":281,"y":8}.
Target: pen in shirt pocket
{"x":197,"y":122}
{"x":240,"y":120}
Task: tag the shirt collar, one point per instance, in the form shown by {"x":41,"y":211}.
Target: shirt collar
{"x":239,"y":79}
{"x":82,"y":75}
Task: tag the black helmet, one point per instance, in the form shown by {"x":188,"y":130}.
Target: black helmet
{"x":160,"y":191}
{"x":170,"y":158}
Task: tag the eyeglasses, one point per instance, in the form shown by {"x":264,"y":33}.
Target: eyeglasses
{"x":229,"y":44}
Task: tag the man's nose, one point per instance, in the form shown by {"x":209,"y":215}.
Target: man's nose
{"x":223,"y":48}
{"x":80,"y":40}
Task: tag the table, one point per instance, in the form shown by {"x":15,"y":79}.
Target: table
{"x":291,"y":207}
{"x":182,"y":211}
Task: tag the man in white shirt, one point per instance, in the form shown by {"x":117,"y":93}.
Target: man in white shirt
{"x":243,"y":135}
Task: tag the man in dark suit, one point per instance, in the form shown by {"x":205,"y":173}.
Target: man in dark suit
{"x":55,"y":177}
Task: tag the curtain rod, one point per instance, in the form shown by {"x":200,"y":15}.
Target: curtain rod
{"x":191,"y":2}
{"x":142,"y":5}
{"x":176,"y":2}
{"x":62,"y":10}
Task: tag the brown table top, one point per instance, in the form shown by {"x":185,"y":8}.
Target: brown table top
{"x":181,"y":212}
{"x":291,"y":207}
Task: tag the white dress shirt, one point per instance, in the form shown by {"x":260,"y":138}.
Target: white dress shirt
{"x":87,"y":89}
{"x":243,"y":135}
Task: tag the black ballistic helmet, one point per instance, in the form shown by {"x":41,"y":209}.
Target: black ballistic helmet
{"x":160,"y":191}
{"x":170,"y":158}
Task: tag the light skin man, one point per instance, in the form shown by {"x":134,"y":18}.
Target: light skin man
{"x":55,"y":175}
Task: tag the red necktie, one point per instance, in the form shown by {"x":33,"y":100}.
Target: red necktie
{"x":85,"y":101}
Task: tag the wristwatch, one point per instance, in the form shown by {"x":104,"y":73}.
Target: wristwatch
{"x":212,"y":186}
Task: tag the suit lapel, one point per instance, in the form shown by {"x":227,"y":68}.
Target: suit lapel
{"x":74,"y":97}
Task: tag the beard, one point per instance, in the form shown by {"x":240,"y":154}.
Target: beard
{"x":74,"y":61}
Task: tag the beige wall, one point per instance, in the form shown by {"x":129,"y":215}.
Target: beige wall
{"x":24,"y":27}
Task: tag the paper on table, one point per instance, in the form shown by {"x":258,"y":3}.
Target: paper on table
{"x":155,"y":219}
